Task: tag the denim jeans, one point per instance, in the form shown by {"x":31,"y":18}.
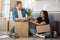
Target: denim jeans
{"x":32,"y":29}
{"x":47,"y":34}
{"x":12,"y":29}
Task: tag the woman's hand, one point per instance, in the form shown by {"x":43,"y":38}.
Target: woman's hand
{"x":43,"y":23}
{"x":34,"y":22}
{"x":31,"y":21}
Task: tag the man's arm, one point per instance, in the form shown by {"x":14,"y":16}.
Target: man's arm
{"x":23,"y":18}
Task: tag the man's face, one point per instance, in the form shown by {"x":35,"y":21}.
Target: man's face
{"x":20,"y":6}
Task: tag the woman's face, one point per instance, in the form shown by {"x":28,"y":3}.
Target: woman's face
{"x":42,"y":14}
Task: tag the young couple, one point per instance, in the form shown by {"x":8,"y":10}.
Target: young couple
{"x":19,"y":13}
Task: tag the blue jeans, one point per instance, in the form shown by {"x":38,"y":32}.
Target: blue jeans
{"x":47,"y":34}
{"x":12,"y":29}
{"x":33,"y":31}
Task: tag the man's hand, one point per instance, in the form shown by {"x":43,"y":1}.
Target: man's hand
{"x":24,"y":18}
{"x":18,"y":19}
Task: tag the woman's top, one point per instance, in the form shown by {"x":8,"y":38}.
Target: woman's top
{"x":39,"y":19}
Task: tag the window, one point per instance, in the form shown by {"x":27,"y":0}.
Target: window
{"x":6,"y":9}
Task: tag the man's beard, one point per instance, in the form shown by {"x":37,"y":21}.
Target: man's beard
{"x":20,"y":8}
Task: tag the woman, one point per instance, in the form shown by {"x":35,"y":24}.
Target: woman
{"x":41,"y":20}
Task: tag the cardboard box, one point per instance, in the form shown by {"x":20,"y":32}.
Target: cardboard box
{"x":43,"y":28}
{"x":0,"y":14}
{"x":22,"y":29}
{"x":4,"y":25}
{"x":11,"y":24}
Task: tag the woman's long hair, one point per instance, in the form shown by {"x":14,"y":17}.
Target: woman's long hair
{"x":45,"y":14}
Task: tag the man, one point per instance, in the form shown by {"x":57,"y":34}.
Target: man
{"x":18,"y":14}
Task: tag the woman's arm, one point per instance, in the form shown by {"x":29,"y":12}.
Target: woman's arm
{"x":43,"y":23}
{"x":34,"y":22}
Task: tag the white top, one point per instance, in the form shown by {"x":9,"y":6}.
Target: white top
{"x":19,"y":14}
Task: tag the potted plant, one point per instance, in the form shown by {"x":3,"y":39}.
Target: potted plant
{"x":29,"y":11}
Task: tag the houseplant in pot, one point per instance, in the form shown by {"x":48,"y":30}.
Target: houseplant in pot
{"x":29,"y":12}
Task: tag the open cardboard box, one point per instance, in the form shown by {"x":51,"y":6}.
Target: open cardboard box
{"x":43,"y":28}
{"x":22,"y":29}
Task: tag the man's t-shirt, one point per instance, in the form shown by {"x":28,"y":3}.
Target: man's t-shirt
{"x":19,"y":14}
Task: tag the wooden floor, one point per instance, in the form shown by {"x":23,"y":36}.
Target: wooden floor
{"x":29,"y":38}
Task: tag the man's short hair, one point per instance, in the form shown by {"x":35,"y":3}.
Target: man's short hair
{"x":19,"y":2}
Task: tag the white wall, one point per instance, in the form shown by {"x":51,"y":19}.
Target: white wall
{"x":50,"y":5}
{"x":37,"y":5}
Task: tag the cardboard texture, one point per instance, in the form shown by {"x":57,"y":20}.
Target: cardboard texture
{"x":21,"y":28}
{"x":0,"y":14}
{"x":0,"y":8}
{"x":4,"y":25}
{"x":43,"y":28}
{"x":11,"y":24}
